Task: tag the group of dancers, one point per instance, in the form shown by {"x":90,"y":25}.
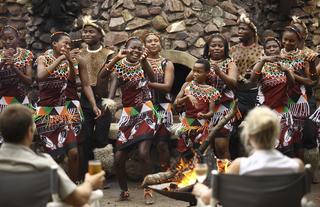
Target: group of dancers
{"x":282,"y":75}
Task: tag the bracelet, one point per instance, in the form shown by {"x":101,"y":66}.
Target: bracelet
{"x":49,"y":72}
{"x":257,"y":72}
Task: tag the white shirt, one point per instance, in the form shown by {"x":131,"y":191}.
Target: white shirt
{"x":268,"y":162}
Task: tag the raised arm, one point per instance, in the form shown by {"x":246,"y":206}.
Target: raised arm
{"x":43,"y":71}
{"x":230,"y":79}
{"x":146,"y":66}
{"x":168,"y":79}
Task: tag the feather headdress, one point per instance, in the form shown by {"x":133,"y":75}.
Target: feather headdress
{"x":88,"y":21}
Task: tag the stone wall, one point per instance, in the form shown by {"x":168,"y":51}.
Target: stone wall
{"x":184,"y":24}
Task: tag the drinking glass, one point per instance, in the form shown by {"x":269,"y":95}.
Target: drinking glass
{"x":201,"y":170}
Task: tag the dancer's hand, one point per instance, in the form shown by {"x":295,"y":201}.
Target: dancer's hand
{"x":123,"y":53}
{"x":145,"y":54}
{"x":96,"y":111}
{"x":75,"y":54}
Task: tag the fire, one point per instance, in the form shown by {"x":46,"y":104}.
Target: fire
{"x":187,"y":175}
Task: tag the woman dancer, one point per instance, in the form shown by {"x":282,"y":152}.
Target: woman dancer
{"x":163,"y":70}
{"x":137,"y":122}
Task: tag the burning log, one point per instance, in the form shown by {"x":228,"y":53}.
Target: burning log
{"x":184,"y":168}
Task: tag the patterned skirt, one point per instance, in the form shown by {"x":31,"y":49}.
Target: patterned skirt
{"x":286,"y":127}
{"x":58,"y":127}
{"x":5,"y":101}
{"x":191,"y":132}
{"x":137,"y":123}
{"x":221,"y":110}
{"x":164,"y":121}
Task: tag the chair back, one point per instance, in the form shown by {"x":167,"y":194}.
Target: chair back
{"x":260,"y":191}
{"x":28,"y":189}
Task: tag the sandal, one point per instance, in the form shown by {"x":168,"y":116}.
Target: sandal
{"x":124,"y":196}
{"x":148,"y":197}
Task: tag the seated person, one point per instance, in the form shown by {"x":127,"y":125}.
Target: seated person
{"x":16,"y":156}
{"x":260,"y":134}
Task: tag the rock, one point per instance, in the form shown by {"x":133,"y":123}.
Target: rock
{"x":211,"y":28}
{"x":3,"y":8}
{"x":128,"y":4}
{"x":197,"y":52}
{"x":229,"y":7}
{"x":174,"y":6}
{"x":118,"y":3}
{"x":136,"y":23}
{"x":172,"y":17}
{"x":140,"y":33}
{"x":14,"y":9}
{"x":196,"y":28}
{"x":269,"y":33}
{"x":159,"y":23}
{"x":229,"y":22}
{"x":155,"y":10}
{"x":178,"y":35}
{"x":157,"y":2}
{"x":176,"y":27}
{"x":116,"y":12}
{"x":217,"y":11}
{"x":37,"y":21}
{"x":197,"y":5}
{"x":200,"y":42}
{"x":205,"y":17}
{"x":117,"y":23}
{"x":187,"y":2}
{"x":211,"y":2}
{"x":127,"y":16}
{"x":218,"y":21}
{"x":299,"y":12}
{"x":191,"y":21}
{"x":45,"y":38}
{"x":142,"y":11}
{"x":228,"y":15}
{"x":106,"y":4}
{"x":144,"y":1}
{"x":179,"y":45}
{"x":105,"y":15}
{"x":189,"y":13}
{"x":115,"y":38}
{"x":192,"y":38}
{"x":37,"y":45}
{"x":316,"y":39}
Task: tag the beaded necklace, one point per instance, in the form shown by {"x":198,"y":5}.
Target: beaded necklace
{"x":156,"y":64}
{"x":129,"y":71}
{"x":21,"y":58}
{"x":62,"y":70}
{"x":203,"y":92}
{"x":294,"y":59}
{"x":273,"y":71}
{"x":214,"y":79}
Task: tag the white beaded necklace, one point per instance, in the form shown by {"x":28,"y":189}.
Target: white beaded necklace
{"x":94,"y":51}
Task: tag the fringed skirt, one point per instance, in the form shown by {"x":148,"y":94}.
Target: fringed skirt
{"x":164,"y":124}
{"x":286,"y":124}
{"x":58,"y":127}
{"x":5,"y":101}
{"x":136,"y":124}
{"x":221,"y":110}
{"x":191,"y":132}
{"x":300,"y":110}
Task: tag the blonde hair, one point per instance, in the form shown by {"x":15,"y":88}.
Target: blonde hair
{"x":261,"y":128}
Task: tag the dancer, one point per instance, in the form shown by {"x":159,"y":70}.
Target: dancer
{"x":137,"y":122}
{"x":198,"y":99}
{"x":163,"y":70}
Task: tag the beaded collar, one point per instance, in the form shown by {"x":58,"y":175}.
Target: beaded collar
{"x":222,"y":64}
{"x":21,"y":58}
{"x":272,"y":70}
{"x":203,"y":92}
{"x":129,"y":71}
{"x":62,"y":70}
{"x":156,"y":64}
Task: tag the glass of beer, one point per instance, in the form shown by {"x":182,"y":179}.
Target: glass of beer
{"x":94,"y":167}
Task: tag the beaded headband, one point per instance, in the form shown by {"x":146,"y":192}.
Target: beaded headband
{"x":151,"y":33}
{"x":295,"y":30}
{"x":132,"y":38}
{"x":296,"y":20}
{"x":217,"y":34}
{"x":10,"y":27}
{"x":88,"y":21}
{"x":59,"y":33}
{"x":244,"y":19}
{"x":268,"y":39}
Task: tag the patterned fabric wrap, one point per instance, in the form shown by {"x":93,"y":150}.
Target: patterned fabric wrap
{"x":59,"y":127}
{"x":192,"y":130}
{"x":10,"y":82}
{"x":136,"y":124}
{"x":223,"y":106}
{"x":164,"y":117}
{"x":315,"y":117}
{"x":297,"y":102}
{"x":5,"y":101}
{"x":286,"y":126}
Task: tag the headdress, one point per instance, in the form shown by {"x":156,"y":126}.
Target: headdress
{"x":296,"y":20}
{"x":88,"y":21}
{"x":244,"y":19}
